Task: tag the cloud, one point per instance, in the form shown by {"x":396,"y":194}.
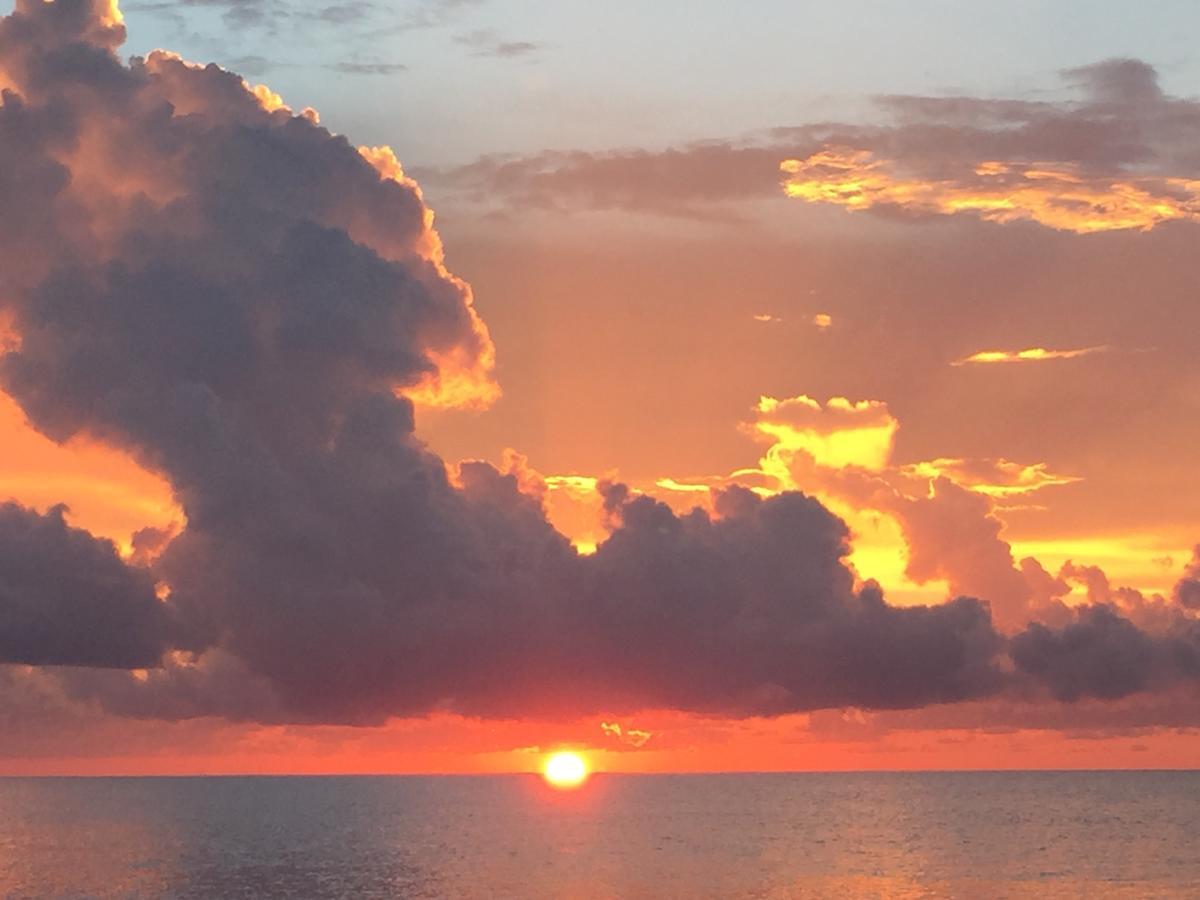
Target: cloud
{"x":67,"y":599}
{"x":953,"y":534}
{"x":1118,"y":156}
{"x":694,"y":181}
{"x":248,"y":310}
{"x":837,"y":434}
{"x":269,"y":15}
{"x":940,"y":516}
{"x":362,"y":67}
{"x":1103,"y":655}
{"x":1114,"y":154}
{"x":631,"y":737}
{"x":486,"y":42}
{"x":994,"y":477}
{"x":241,"y":13}
{"x":1060,"y":196}
{"x":1187,"y":592}
{"x":253,"y":308}
{"x":1033,"y":354}
{"x":345,"y":13}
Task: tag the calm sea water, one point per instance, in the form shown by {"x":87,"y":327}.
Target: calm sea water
{"x":988,"y":835}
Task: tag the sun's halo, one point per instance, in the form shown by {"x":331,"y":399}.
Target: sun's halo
{"x":565,"y":770}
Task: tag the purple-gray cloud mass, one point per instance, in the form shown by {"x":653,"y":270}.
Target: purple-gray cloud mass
{"x":238,"y":298}
{"x":67,"y":599}
{"x":1117,"y":125}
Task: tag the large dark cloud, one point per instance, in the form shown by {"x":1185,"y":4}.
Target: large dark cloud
{"x":67,"y":599}
{"x":239,"y":308}
{"x":1104,"y":655}
{"x":240,"y":299}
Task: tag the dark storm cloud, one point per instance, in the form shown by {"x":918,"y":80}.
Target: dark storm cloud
{"x":239,"y":314}
{"x":1104,"y":655}
{"x":67,"y":599}
{"x":1117,"y":123}
{"x":239,"y":298}
{"x":757,"y":610}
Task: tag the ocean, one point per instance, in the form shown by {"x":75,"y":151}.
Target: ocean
{"x":885,"y":835}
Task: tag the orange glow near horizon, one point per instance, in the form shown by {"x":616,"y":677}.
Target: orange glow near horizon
{"x":106,"y":492}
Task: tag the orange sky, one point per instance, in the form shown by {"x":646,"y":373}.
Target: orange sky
{"x":983,"y":365}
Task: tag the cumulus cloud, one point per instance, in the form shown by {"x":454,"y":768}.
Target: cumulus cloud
{"x":943,"y":512}
{"x":248,"y":304}
{"x":1104,"y":655}
{"x":1187,"y":591}
{"x":836,"y":434}
{"x":67,"y":599}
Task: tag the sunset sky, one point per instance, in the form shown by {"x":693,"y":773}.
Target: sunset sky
{"x":778,"y":386}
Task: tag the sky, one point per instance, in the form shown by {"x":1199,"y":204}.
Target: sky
{"x":424,"y":387}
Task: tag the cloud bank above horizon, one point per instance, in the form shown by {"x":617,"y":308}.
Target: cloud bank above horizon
{"x":253,"y":308}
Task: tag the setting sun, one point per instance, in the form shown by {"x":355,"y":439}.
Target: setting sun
{"x":565,"y":770}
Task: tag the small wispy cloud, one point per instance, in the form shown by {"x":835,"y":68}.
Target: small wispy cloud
{"x":767,"y":318}
{"x":344,"y":13}
{"x":1033,"y":354}
{"x":633,"y":737}
{"x":485,"y":42}
{"x":352,"y":67}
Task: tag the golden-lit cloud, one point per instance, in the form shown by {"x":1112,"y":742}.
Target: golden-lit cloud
{"x":1061,"y":196}
{"x":670,"y":484}
{"x":463,"y":377}
{"x":111,"y":15}
{"x":841,"y":433}
{"x":994,"y":477}
{"x":823,"y":321}
{"x":1033,"y":354}
{"x":633,"y":737}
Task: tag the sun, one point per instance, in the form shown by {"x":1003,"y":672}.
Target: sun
{"x":565,"y":770}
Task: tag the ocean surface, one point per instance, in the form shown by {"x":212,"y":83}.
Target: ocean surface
{"x":987,"y":835}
